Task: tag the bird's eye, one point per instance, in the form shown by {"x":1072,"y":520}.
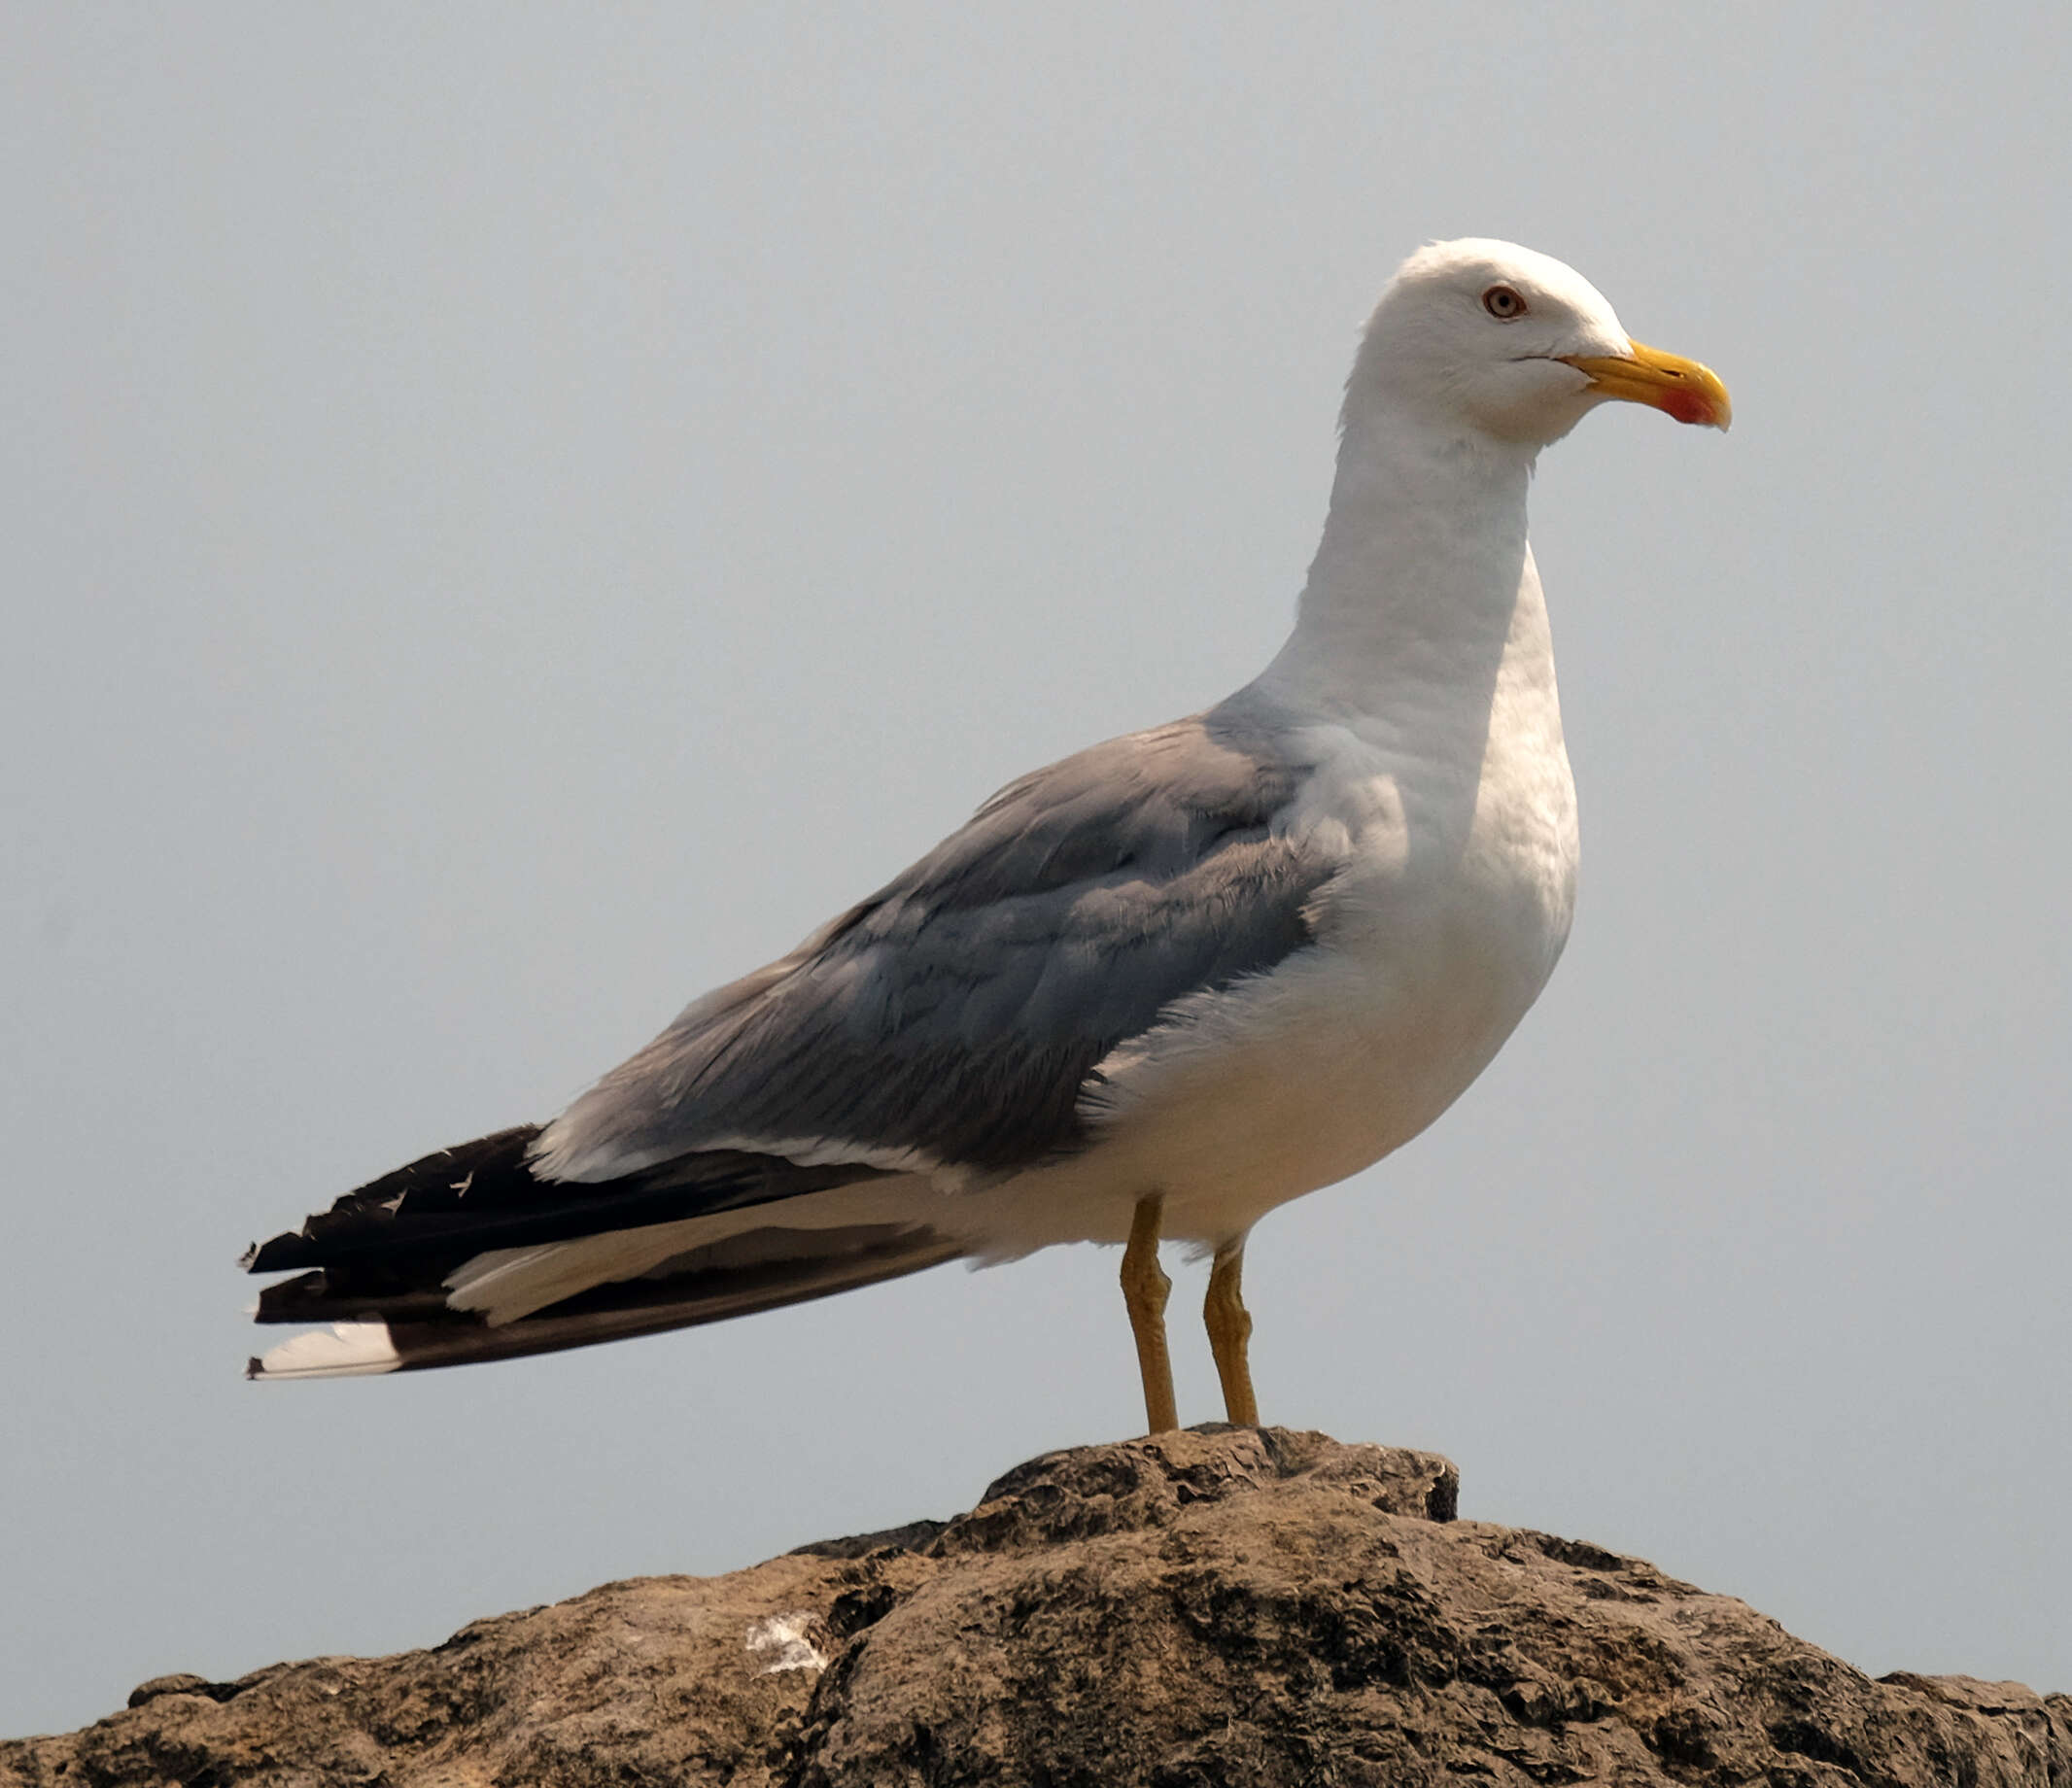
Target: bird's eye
{"x":1504,"y":303}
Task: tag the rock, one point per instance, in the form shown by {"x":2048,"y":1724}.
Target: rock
{"x":1216,"y":1606}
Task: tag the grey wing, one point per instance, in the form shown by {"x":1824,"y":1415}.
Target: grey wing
{"x":955,"y":1016}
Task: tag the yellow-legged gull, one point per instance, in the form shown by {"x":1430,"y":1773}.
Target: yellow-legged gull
{"x":1154,"y":990}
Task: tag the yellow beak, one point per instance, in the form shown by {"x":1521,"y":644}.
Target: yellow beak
{"x":1687,"y":391}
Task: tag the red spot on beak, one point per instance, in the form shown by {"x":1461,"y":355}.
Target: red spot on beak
{"x":1687,"y":406}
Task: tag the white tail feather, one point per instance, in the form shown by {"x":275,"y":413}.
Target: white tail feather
{"x":344,"y":1350}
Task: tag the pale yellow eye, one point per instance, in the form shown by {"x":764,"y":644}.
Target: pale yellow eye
{"x":1504,"y":303}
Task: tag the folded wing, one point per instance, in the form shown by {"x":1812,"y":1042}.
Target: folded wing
{"x":949,"y":1026}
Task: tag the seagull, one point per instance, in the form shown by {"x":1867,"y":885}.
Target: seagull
{"x":1147,"y":993}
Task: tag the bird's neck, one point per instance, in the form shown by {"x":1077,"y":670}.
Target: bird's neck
{"x":1417,"y":582}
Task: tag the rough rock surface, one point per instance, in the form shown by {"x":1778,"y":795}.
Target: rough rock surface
{"x":1217,"y":1606}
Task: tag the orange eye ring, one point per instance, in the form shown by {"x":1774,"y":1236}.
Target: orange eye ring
{"x":1504,"y":303}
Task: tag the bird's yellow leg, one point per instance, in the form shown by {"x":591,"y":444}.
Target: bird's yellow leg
{"x":1229,"y":1325}
{"x":1145,"y":1287}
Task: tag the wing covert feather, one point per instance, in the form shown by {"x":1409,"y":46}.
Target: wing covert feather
{"x":954,"y":1018}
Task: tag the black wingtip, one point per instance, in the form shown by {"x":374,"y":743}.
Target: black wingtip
{"x":253,"y":1369}
{"x":277,"y":1255}
{"x":427,"y":1194}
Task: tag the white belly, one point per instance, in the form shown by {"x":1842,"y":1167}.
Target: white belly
{"x":1301,"y":1077}
{"x":1431,"y":943}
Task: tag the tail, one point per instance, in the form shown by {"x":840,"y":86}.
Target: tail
{"x":467,"y":1255}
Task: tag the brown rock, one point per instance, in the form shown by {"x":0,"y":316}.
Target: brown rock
{"x":1217,"y":1606}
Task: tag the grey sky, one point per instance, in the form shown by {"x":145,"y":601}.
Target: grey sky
{"x":514,"y":514}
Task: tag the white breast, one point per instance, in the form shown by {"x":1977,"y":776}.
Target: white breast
{"x":1458,"y":840}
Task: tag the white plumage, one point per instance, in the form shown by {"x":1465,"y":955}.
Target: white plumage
{"x":1176,"y":981}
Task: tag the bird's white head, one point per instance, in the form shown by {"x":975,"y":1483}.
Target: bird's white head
{"x":1488,"y":337}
